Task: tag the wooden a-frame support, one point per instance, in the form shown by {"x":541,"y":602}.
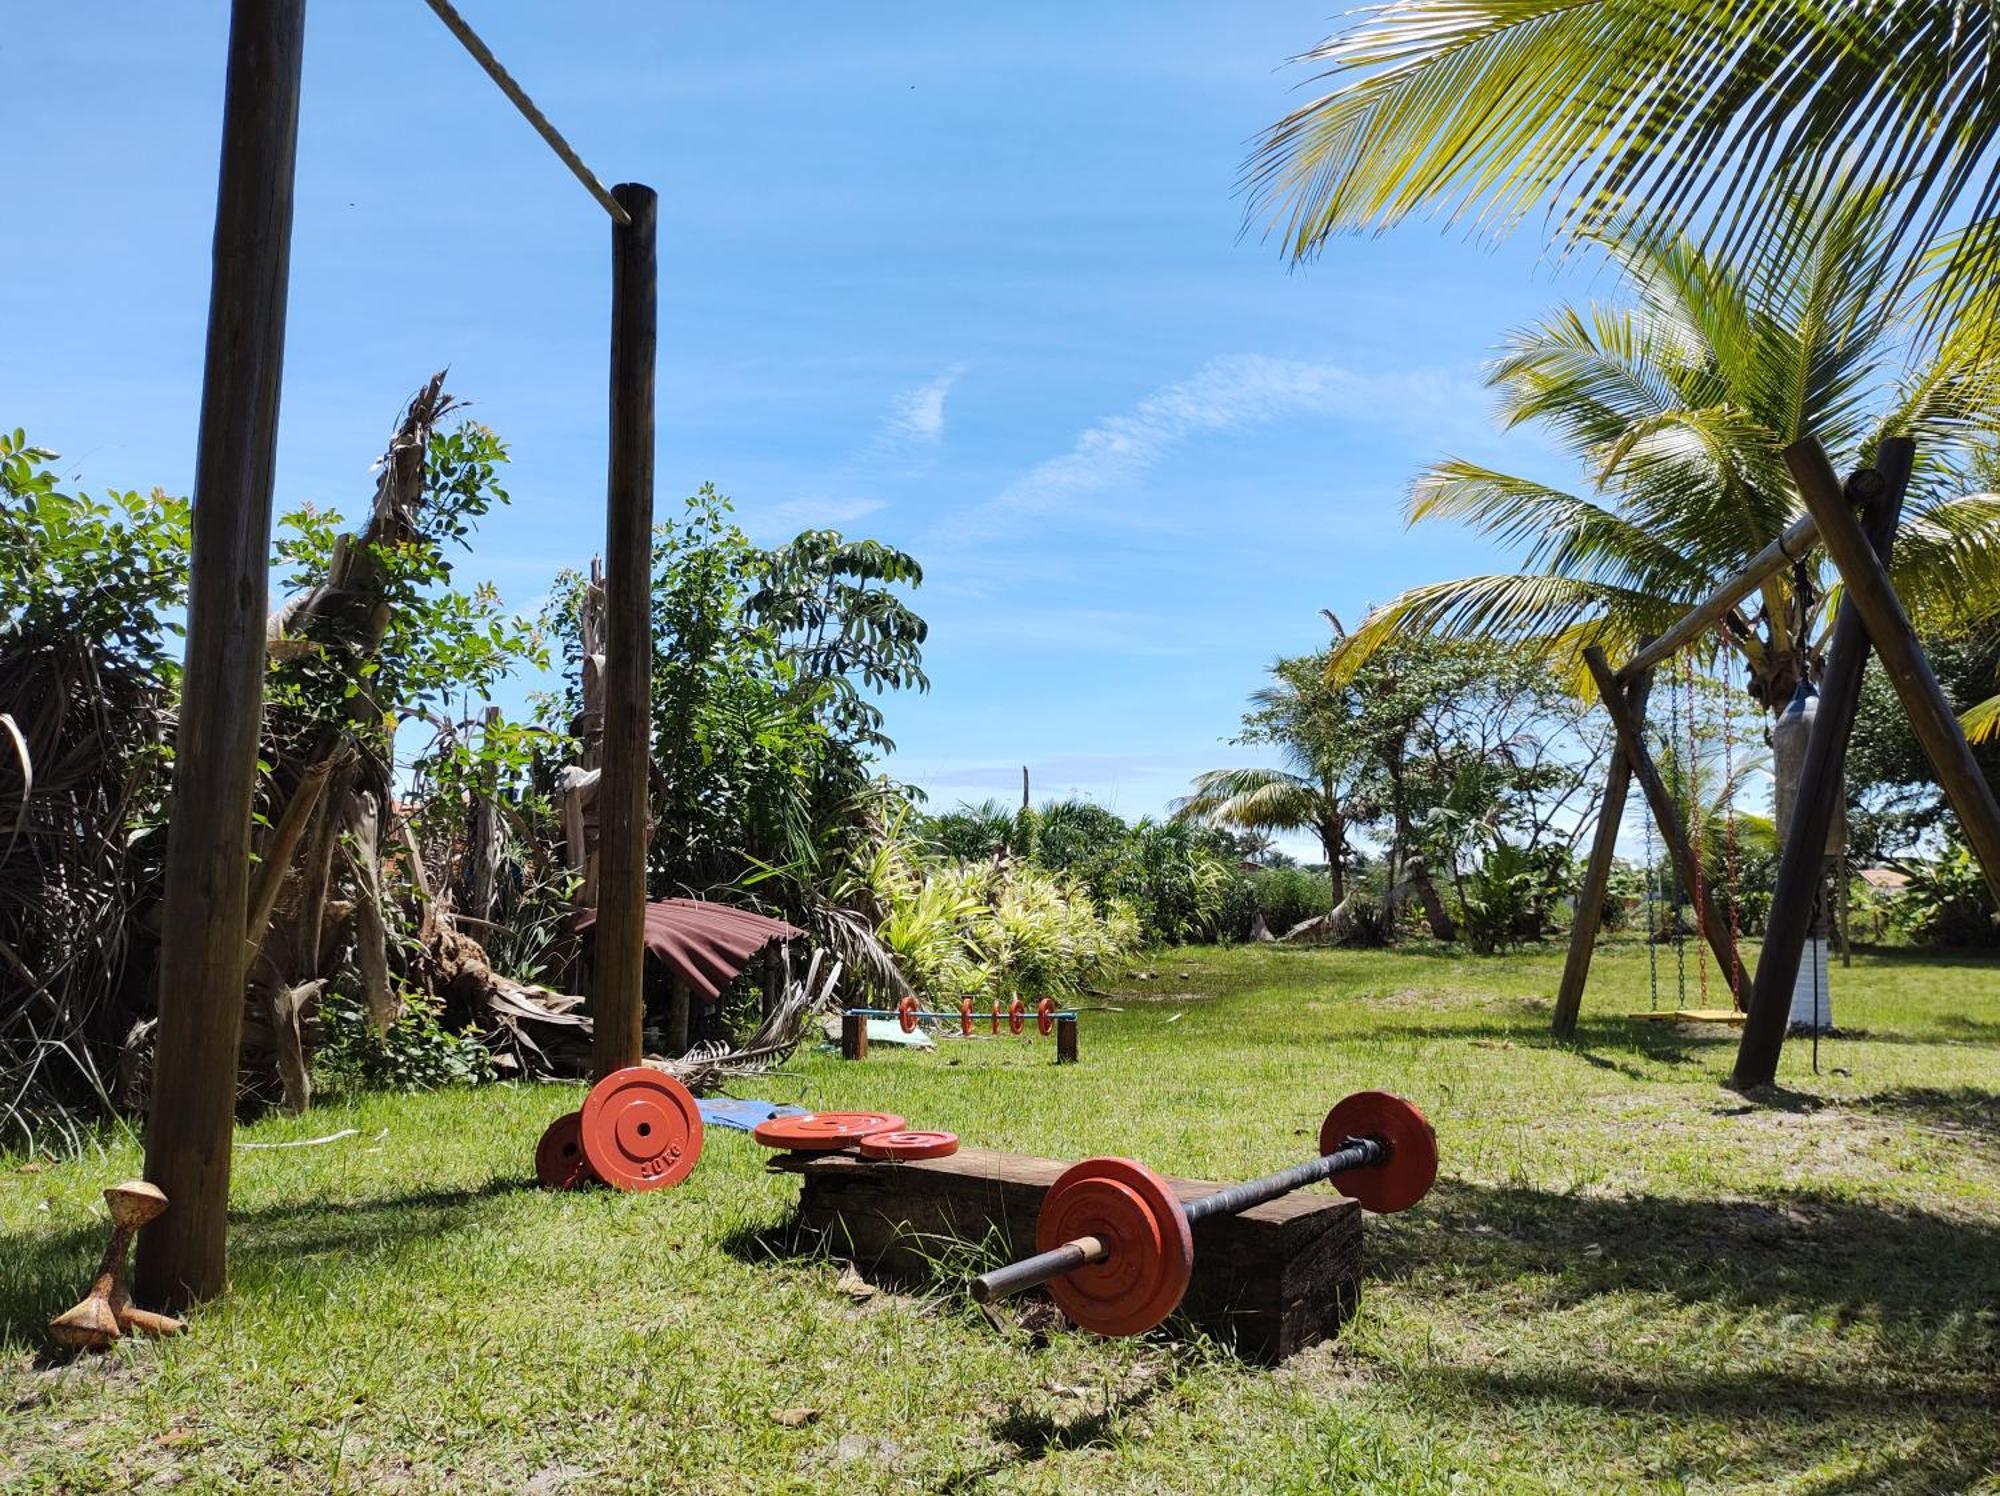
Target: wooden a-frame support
{"x":1870,"y":613}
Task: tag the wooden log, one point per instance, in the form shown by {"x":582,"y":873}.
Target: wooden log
{"x":618,"y":1006}
{"x":853,"y":1037}
{"x":1066,"y":1040}
{"x":1895,"y":640}
{"x":1704,"y":615}
{"x":680,"y":1017}
{"x":1666,"y":815}
{"x":184,"y":1257}
{"x":1597,"y":873}
{"x":1271,"y":1281}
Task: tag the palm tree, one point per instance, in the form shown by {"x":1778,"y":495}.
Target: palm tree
{"x":1325,"y":761}
{"x":1697,"y":117}
{"x":1679,"y":406}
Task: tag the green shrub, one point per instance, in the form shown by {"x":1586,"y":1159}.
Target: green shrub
{"x":1287,"y":895}
{"x":417,"y":1053}
{"x":1947,"y":902}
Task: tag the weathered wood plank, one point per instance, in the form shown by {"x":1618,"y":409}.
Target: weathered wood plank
{"x":1277,"y":1278}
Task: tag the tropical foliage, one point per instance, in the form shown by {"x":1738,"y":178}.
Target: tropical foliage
{"x":1678,"y":405}
{"x":1697,"y":121}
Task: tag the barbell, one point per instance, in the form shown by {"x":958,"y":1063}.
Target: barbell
{"x":909,"y":1013}
{"x":1115,"y":1243}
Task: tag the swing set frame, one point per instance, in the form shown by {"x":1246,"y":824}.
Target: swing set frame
{"x":1855,"y":523}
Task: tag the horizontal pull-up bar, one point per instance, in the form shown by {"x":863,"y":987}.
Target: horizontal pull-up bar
{"x":483,"y":55}
{"x":1780,"y":553}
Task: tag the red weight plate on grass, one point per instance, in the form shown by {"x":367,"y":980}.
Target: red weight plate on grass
{"x":965,"y":1017}
{"x":906,"y":1014}
{"x":641,"y":1130}
{"x":908,"y":1145}
{"x":824,"y":1132}
{"x":997,"y":1010}
{"x":1045,"y":1015}
{"x":559,"y":1160}
{"x":1411,"y":1168}
{"x":1017,"y":1016}
{"x":1149,"y":1249}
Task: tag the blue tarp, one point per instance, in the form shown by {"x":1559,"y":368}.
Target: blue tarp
{"x":727,"y":1111}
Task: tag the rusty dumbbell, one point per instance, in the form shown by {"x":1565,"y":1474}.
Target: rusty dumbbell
{"x":106,"y":1314}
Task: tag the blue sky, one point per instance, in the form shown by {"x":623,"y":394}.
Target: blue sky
{"x":968,"y":279}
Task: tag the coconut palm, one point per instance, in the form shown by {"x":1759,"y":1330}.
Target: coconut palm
{"x":1698,"y":116}
{"x":1316,"y":789}
{"x":1679,"y":406}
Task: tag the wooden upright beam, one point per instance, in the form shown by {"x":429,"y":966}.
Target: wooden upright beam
{"x":1589,"y":912}
{"x":183,"y":1256}
{"x":1666,"y":815}
{"x":618,"y":1007}
{"x":1802,"y":863}
{"x":1895,"y":640}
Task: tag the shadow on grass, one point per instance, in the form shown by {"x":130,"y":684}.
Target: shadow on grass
{"x":43,"y":1273}
{"x":1969,"y":1110}
{"x":1931,"y":1278}
{"x":1792,"y":1420}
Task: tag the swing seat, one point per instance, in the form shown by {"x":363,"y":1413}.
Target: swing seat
{"x":1690,"y":1015}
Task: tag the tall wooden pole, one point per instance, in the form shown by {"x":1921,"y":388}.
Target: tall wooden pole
{"x":1802,"y":863}
{"x":183,"y":1256}
{"x":1666,"y":815}
{"x":1597,"y":874}
{"x":618,"y":1008}
{"x":1931,"y":717}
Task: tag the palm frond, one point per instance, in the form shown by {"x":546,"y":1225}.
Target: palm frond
{"x":1699,"y":117}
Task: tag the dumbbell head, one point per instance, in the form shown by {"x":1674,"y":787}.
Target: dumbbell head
{"x":1406,"y":1175}
{"x":1148,"y":1245}
{"x":559,"y":1160}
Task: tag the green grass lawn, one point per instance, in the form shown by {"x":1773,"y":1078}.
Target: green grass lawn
{"x":1626,"y":1278}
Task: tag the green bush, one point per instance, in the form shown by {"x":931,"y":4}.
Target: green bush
{"x":1947,"y":902}
{"x":1287,"y":895}
{"x":417,"y":1053}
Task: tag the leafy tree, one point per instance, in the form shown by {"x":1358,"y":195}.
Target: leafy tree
{"x":1690,"y":118}
{"x":1679,"y":406}
{"x":1893,"y":798}
{"x":1328,"y":756}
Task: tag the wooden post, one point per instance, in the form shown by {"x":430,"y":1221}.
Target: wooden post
{"x":183,"y":1257}
{"x":1889,"y":630}
{"x":1066,"y":1039}
{"x":680,"y":1017}
{"x":1597,"y":874}
{"x":1802,"y":861}
{"x":773,"y":979}
{"x":853,"y":1036}
{"x":1666,"y":815}
{"x":618,"y":1004}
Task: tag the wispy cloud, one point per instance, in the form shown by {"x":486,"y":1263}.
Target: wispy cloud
{"x":1226,"y":394}
{"x":789,"y":517}
{"x":918,"y":414}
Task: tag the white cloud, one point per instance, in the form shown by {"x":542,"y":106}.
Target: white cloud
{"x":793,"y":515}
{"x":1225,"y":394}
{"x":918,"y":415}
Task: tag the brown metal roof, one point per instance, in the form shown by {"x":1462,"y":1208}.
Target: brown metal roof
{"x":705,"y":945}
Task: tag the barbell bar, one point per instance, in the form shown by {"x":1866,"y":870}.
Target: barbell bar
{"x":1115,"y":1243}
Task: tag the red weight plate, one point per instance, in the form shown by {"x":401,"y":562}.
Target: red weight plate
{"x":825,"y":1132}
{"x":909,"y":1145}
{"x":1406,"y":1176}
{"x":965,"y":1017}
{"x":1017,"y":1016}
{"x":641,"y":1130}
{"x":996,"y":1015}
{"x":906,"y":1014}
{"x":559,"y":1160}
{"x":1045,"y":1015}
{"x":1150,"y":1250}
